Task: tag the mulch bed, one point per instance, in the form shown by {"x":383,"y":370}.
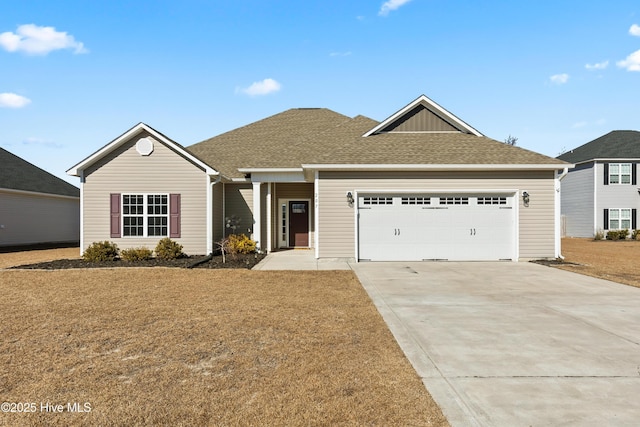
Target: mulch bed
{"x":241,"y":261}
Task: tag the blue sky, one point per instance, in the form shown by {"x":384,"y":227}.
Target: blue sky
{"x":76,"y":74}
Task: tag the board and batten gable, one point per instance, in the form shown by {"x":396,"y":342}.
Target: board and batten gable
{"x":164,"y":171}
{"x":536,"y":223}
{"x":577,"y":203}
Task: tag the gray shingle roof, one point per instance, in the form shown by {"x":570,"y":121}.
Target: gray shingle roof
{"x":18,"y":174}
{"x":321,"y":136}
{"x":617,"y":144}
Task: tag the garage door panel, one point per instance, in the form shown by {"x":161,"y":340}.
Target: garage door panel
{"x":449,"y":227}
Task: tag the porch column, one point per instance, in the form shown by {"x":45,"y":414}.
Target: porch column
{"x":257,"y":216}
{"x":269,"y":208}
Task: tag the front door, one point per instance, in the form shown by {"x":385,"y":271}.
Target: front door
{"x":299,"y":223}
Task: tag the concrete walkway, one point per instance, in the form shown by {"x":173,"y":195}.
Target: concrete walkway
{"x":508,"y":344}
{"x":301,"y":259}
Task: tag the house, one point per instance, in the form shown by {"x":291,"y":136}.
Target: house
{"x":420,"y":185}
{"x":601,"y":191}
{"x":36,"y":207}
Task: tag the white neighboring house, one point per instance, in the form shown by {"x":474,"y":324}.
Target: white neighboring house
{"x":36,"y":207}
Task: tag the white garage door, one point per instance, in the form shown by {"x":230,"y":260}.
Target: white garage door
{"x":456,"y":227}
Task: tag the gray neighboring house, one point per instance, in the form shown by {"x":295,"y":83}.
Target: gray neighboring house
{"x":601,"y":191}
{"x":36,"y":207}
{"x":420,"y":185}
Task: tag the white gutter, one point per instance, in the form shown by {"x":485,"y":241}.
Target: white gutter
{"x":210,"y":211}
{"x":38,"y":194}
{"x":438,"y":167}
{"x":558,"y":207}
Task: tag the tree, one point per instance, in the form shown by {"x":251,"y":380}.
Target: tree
{"x":511,"y":140}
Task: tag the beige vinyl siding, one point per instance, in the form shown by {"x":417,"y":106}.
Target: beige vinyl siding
{"x":239,"y":202}
{"x":27,"y":219}
{"x":125,"y":171}
{"x":536,"y":231}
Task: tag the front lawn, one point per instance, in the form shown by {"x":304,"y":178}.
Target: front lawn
{"x":202,"y":347}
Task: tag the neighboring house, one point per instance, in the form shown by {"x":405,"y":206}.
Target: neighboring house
{"x":601,"y":192}
{"x":420,"y":185}
{"x":35,"y":206}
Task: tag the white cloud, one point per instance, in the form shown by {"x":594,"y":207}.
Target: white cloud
{"x":340,"y":54}
{"x":390,"y":5}
{"x":12,"y":100}
{"x":264,"y":87}
{"x":635,"y":30}
{"x":559,"y":79}
{"x":597,"y":66}
{"x":631,"y":63}
{"x":36,"y":40}
{"x":579,"y":125}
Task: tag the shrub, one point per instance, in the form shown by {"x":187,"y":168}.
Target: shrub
{"x":635,"y":234}
{"x":241,"y":244}
{"x":101,"y":251}
{"x":168,"y":249}
{"x":617,"y":234}
{"x":136,"y":254}
{"x":599,"y":235}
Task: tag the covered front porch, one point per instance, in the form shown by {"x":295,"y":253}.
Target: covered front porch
{"x":284,"y":215}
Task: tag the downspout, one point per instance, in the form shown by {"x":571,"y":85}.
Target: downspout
{"x":210,"y":214}
{"x":565,"y":171}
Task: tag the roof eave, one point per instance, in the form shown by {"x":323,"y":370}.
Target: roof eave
{"x":436,"y":167}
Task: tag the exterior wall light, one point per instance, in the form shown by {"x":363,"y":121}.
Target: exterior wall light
{"x":350,"y":198}
{"x":525,"y":198}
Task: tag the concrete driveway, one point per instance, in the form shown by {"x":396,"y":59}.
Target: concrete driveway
{"x":515,"y":344}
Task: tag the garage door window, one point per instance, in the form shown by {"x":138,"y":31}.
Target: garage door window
{"x":377,"y":200}
{"x":492,"y":200}
{"x":454,"y":200}
{"x":416,"y":200}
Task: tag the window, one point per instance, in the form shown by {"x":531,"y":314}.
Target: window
{"x":619,"y":219}
{"x":619,"y":173}
{"x":145,"y":215}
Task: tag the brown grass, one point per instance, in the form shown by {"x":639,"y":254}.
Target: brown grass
{"x":199,"y":347}
{"x":10,"y":259}
{"x":618,"y":261}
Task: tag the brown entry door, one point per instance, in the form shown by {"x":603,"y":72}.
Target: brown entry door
{"x":299,"y":223}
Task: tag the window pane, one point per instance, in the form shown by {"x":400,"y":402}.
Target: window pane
{"x":625,"y":168}
{"x":614,"y":213}
{"x":626,"y":223}
{"x":625,"y":213}
{"x":614,"y":224}
{"x":614,"y":179}
{"x":614,"y":168}
{"x":626,"y":179}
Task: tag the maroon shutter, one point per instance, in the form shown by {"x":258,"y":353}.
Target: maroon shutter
{"x":174,"y":219}
{"x":115,"y":215}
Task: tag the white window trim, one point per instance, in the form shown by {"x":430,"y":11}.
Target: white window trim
{"x":620,"y":219}
{"x":145,"y":214}
{"x":620,"y":174}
